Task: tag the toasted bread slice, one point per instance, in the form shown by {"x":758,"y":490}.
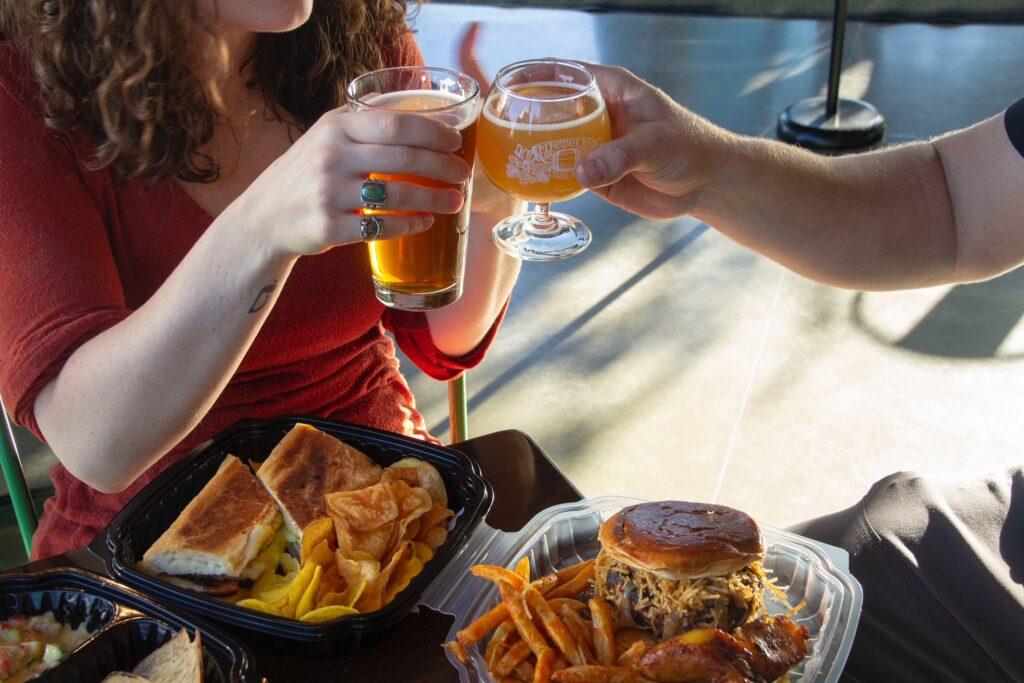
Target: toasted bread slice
{"x":306,"y":465}
{"x":220,"y":531}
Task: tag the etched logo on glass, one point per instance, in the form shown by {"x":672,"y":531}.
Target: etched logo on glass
{"x":554,"y":159}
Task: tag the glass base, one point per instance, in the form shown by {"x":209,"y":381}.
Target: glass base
{"x":560,"y":238}
{"x":421,"y":301}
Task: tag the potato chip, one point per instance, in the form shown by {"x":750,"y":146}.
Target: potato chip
{"x":363,"y":509}
{"x":401,"y":578}
{"x":411,"y":531}
{"x":423,"y":551}
{"x":328,"y":613}
{"x":374,"y":519}
{"x":434,"y":527}
{"x":362,"y":568}
{"x":306,"y":602}
{"x":420,"y":474}
{"x":316,"y":532}
{"x":257,"y":605}
{"x":372,"y":597}
{"x":436,"y":537}
{"x":413,"y":503}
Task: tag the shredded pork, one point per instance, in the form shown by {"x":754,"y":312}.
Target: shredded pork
{"x":669,"y":606}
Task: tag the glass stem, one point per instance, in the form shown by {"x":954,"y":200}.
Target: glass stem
{"x":541,"y":223}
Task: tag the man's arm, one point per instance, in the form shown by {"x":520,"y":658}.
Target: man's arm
{"x":909,"y":216}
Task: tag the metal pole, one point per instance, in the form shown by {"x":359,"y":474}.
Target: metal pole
{"x":17,"y":487}
{"x":835,"y":66}
{"x":458,"y":414}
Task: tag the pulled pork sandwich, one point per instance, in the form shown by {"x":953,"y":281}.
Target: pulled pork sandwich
{"x":673,"y":566}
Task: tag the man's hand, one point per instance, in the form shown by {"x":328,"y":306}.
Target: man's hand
{"x":662,"y":156}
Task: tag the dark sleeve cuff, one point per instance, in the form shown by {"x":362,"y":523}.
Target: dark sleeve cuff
{"x":1013,"y":120}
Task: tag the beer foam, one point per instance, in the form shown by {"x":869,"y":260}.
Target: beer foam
{"x":563,"y":125}
{"x":431,"y":100}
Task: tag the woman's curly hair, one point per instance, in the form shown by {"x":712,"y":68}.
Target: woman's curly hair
{"x":120,"y":69}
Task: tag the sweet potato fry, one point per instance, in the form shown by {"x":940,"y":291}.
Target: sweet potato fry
{"x":552,"y":624}
{"x":598,"y":674}
{"x":492,"y":619}
{"x":566,"y":573}
{"x":524,"y":672}
{"x":580,"y":629}
{"x":575,"y":586}
{"x":604,"y":630}
{"x":542,"y":672}
{"x":523,"y":568}
{"x":498,"y":644}
{"x":455,"y":647}
{"x":511,"y":659}
{"x":521,"y":618}
{"x":575,"y":605}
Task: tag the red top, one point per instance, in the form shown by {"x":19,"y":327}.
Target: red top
{"x":80,"y":253}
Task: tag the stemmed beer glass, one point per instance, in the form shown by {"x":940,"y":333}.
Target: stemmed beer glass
{"x":540,"y":119}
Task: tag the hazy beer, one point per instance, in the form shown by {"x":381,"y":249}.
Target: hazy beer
{"x":424,"y":271}
{"x":531,"y":141}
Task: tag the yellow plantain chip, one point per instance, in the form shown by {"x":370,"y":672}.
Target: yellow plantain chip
{"x":328,"y":613}
{"x":321,"y":555}
{"x":306,"y":602}
{"x":316,"y":532}
{"x":401,"y":578}
{"x":300,"y":584}
{"x":257,"y":605}
{"x":354,"y":592}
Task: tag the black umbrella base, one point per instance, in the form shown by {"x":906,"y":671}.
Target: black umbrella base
{"x":856,"y":125}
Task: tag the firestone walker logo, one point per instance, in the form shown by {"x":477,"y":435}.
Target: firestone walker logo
{"x":547,"y":161}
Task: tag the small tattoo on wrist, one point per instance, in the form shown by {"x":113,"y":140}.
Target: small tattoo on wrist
{"x":263,"y":297}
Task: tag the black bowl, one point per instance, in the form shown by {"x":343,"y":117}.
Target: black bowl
{"x":125,"y":626}
{"x":150,"y":513}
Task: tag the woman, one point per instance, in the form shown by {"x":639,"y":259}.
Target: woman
{"x":163,"y":167}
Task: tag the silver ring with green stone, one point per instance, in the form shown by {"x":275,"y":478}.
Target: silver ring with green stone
{"x":374,"y":194}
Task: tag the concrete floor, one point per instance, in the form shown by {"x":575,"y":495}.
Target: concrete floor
{"x":667,"y":361}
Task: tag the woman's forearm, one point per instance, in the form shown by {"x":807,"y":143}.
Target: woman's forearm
{"x":127,"y":396}
{"x":490,"y":275}
{"x":881,"y":220}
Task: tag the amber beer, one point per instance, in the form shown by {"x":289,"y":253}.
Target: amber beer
{"x":432,"y":261}
{"x":530,"y":147}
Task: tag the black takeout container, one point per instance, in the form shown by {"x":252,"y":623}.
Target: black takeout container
{"x":125,"y":626}
{"x":150,"y":513}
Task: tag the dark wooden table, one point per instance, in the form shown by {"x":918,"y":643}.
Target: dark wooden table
{"x":525,"y":481}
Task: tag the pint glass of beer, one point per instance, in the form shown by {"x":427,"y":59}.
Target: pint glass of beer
{"x":424,"y":271}
{"x":540,"y":119}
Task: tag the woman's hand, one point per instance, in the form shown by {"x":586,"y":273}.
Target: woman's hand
{"x":308,"y":200}
{"x":662,"y":156}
